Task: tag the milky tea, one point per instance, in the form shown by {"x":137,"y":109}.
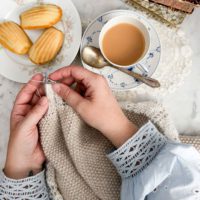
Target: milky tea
{"x":123,"y":44}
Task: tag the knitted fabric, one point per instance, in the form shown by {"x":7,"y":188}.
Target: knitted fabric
{"x":193,"y":140}
{"x":77,"y":166}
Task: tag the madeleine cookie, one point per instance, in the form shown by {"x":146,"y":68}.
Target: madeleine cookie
{"x":13,"y":38}
{"x":43,"y":16}
{"x":47,"y":46}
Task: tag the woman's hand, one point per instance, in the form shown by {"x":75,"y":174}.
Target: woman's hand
{"x":24,"y":150}
{"x":94,"y":101}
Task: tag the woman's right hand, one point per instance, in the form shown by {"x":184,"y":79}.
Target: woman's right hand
{"x":94,"y":101}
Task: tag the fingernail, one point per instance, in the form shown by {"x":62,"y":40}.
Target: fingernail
{"x":43,"y":101}
{"x":37,"y":75}
{"x":56,"y":88}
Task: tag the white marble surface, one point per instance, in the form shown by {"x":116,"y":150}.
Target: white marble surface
{"x":183,"y":105}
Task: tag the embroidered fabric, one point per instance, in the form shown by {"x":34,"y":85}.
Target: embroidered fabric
{"x":138,"y":151}
{"x":164,"y":14}
{"x":31,"y":188}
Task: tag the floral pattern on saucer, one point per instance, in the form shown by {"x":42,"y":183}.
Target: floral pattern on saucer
{"x":116,"y":79}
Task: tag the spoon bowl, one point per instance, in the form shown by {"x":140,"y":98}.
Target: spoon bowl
{"x":93,"y":57}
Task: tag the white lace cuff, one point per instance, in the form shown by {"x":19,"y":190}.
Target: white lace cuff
{"x":31,"y":188}
{"x":133,"y":156}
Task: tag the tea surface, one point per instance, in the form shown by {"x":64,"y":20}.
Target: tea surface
{"x":123,"y":44}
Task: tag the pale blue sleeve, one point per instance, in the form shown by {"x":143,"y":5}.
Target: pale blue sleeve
{"x":154,"y":168}
{"x":29,"y":188}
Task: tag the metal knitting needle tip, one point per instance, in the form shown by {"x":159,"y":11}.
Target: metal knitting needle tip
{"x":47,"y":80}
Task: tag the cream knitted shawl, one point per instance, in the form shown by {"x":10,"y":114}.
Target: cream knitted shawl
{"x":78,"y":168}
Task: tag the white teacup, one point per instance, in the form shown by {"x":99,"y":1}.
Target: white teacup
{"x":130,"y":20}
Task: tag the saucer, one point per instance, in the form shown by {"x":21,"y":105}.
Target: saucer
{"x":118,"y":80}
{"x":18,"y":67}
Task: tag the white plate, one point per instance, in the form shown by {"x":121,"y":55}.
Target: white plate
{"x":20,"y":68}
{"x":116,"y":79}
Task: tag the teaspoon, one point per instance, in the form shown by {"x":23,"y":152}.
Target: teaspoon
{"x":93,"y":57}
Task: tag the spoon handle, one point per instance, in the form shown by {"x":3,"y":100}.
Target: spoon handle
{"x":147,"y":80}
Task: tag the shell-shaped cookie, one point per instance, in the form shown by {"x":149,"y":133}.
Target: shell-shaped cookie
{"x":47,"y":46}
{"x":13,"y":38}
{"x":43,"y":16}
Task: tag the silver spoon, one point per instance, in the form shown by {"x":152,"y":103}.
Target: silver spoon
{"x":93,"y":57}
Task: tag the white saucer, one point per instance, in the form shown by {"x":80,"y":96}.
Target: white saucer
{"x":20,"y":68}
{"x":116,"y":79}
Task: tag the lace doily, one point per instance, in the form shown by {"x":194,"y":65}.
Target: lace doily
{"x":175,"y":63}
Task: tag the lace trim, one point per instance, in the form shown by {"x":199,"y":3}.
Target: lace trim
{"x":138,"y":151}
{"x":31,"y":188}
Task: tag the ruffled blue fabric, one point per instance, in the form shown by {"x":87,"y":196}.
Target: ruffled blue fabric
{"x":168,"y":171}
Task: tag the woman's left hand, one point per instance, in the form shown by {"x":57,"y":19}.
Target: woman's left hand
{"x":24,"y":150}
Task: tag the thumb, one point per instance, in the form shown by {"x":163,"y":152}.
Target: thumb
{"x":36,"y":114}
{"x":71,"y":97}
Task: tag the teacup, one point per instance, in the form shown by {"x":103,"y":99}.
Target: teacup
{"x":134,"y":35}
